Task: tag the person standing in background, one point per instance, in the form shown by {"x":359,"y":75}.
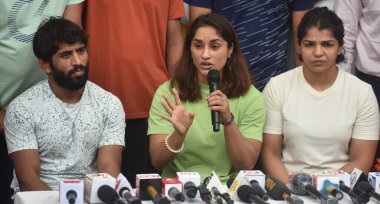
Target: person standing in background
{"x":262,"y":28}
{"x":134,"y":47}
{"x":19,"y":70}
{"x":361,"y":19}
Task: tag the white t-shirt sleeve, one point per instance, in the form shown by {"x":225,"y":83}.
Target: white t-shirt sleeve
{"x":19,"y":130}
{"x":367,"y":123}
{"x":273,"y":124}
{"x":114,"y":129}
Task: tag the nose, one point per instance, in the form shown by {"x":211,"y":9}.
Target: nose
{"x":318,"y":51}
{"x":206,"y":53}
{"x":76,"y":60}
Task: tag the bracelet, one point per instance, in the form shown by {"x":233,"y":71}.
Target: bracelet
{"x":229,"y":122}
{"x":171,"y":149}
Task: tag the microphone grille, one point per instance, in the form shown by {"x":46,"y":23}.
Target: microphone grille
{"x":213,"y":76}
{"x":107,"y":194}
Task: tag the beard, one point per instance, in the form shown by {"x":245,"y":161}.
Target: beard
{"x":67,"y":81}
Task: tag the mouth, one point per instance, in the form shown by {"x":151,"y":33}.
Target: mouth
{"x":206,"y":65}
{"x":318,"y":63}
{"x":77,"y":71}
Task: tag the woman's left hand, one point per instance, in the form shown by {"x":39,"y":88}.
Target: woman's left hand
{"x":217,"y":101}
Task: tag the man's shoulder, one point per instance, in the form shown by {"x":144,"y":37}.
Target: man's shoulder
{"x":100,"y":95}
{"x":32,"y":95}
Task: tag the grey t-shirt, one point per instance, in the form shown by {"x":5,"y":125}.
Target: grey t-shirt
{"x":67,"y":136}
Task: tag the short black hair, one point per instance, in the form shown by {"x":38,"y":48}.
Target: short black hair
{"x":322,"y":18}
{"x":52,"y":33}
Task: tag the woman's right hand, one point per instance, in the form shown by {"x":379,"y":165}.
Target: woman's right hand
{"x":178,"y":116}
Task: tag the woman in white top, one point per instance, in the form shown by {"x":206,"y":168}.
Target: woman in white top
{"x":318,"y":116}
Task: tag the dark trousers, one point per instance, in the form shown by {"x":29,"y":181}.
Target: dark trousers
{"x":375,"y":83}
{"x":136,"y":159}
{"x":6,"y":173}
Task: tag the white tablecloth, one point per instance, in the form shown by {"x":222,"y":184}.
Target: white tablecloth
{"x":52,"y":197}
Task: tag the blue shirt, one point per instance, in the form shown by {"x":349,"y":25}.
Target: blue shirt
{"x":262,"y":28}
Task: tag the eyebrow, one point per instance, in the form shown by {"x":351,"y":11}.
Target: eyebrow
{"x":70,"y":51}
{"x":326,"y":41}
{"x":214,"y":40}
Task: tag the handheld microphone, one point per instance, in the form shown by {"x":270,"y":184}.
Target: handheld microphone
{"x":205,"y":194}
{"x":366,"y":187}
{"x":374,"y":179}
{"x":92,"y":184}
{"x":258,"y":190}
{"x":213,"y":82}
{"x":279,"y":191}
{"x":246,"y":194}
{"x":125,"y":193}
{"x":108,"y":195}
{"x":356,"y":176}
{"x":301,"y":184}
{"x":357,"y":195}
{"x":331,"y":189}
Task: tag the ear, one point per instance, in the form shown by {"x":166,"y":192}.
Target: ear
{"x":230,"y":51}
{"x":45,"y":66}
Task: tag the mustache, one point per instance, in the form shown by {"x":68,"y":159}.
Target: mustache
{"x":76,"y":68}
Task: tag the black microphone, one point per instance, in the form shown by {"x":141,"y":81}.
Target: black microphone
{"x":108,"y":195}
{"x":213,"y":82}
{"x":279,"y":191}
{"x":176,"y":194}
{"x":357,"y":195}
{"x":190,"y":189}
{"x":71,"y":195}
{"x":366,"y":187}
{"x":125,"y":193}
{"x":246,"y":194}
{"x":258,"y":190}
{"x":301,"y":185}
{"x":217,"y":195}
{"x":205,"y":194}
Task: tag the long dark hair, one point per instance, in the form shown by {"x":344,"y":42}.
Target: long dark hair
{"x":236,"y":79}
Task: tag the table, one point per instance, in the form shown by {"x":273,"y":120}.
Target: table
{"x":52,"y":197}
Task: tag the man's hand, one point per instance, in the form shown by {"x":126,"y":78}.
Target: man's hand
{"x":2,"y":115}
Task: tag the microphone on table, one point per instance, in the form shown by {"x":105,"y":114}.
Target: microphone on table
{"x":357,"y":195}
{"x":366,"y":187}
{"x":213,"y":82}
{"x":71,"y":191}
{"x":108,"y":195}
{"x":149,"y":187}
{"x":190,"y":181}
{"x":246,"y":194}
{"x":328,"y":185}
{"x":279,"y":191}
{"x":217,"y":195}
{"x":205,"y":194}
{"x":125,"y":193}
{"x":258,"y":190}
{"x":172,"y":188}
{"x":301,"y":184}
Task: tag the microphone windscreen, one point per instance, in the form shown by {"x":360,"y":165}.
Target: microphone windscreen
{"x":107,"y":194}
{"x":244,"y":192}
{"x":213,"y":76}
{"x":276,"y":189}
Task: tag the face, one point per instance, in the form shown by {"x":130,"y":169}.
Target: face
{"x":319,"y":50}
{"x":209,"y":51}
{"x":69,"y":66}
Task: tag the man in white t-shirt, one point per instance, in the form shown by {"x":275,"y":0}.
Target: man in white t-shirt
{"x":63,"y":127}
{"x":19,"y":68}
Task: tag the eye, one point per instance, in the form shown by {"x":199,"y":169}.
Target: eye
{"x":308,"y":44}
{"x":81,"y":51}
{"x":65,"y":55}
{"x":215,"y":46}
{"x":329,"y":45}
{"x":197,"y":45}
